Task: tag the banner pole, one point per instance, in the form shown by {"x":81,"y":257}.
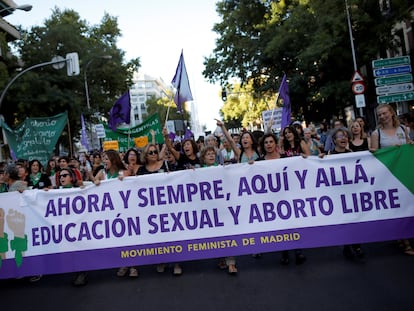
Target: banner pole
{"x":70,"y":140}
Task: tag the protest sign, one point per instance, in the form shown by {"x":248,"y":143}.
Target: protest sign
{"x":126,"y":137}
{"x":35,"y":138}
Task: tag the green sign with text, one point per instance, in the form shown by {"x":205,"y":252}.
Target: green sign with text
{"x":393,"y":80}
{"x":401,"y":97}
{"x":402,"y":60}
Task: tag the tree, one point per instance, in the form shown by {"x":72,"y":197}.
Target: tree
{"x":47,"y":91}
{"x":306,"y":39}
{"x":160,"y":106}
{"x":243,"y":106}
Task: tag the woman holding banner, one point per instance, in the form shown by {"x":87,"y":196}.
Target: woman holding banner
{"x":208,"y":158}
{"x":114,"y":168}
{"x":340,"y":139}
{"x":36,"y":178}
{"x":292,"y":146}
{"x":152,"y":165}
{"x":68,"y":179}
{"x":389,"y":133}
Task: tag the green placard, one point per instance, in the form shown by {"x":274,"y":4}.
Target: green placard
{"x":125,"y":136}
{"x":35,"y":138}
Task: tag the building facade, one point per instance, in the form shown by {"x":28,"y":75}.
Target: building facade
{"x":144,"y":88}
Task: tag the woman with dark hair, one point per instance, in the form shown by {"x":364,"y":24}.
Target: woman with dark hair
{"x":187,"y":158}
{"x":68,"y":179}
{"x":133,"y":161}
{"x":247,"y":152}
{"x":96,"y":164}
{"x":340,"y":138}
{"x":114,"y":167}
{"x":36,"y":178}
{"x":365,"y":127}
{"x":269,"y":148}
{"x":292,"y":144}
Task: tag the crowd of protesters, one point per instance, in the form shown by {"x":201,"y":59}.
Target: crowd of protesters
{"x":226,"y":149}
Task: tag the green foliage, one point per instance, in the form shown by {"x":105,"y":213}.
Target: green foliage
{"x":243,"y":106}
{"x":260,"y":40}
{"x":47,"y":91}
{"x":160,"y":106}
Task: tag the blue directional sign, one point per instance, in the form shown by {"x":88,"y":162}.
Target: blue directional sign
{"x":392,"y":71}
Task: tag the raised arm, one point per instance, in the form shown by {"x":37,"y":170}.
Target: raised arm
{"x":233,"y":145}
{"x":169,"y":144}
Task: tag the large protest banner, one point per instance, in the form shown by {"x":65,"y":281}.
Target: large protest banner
{"x":125,"y":136}
{"x":35,"y":138}
{"x":210,"y":212}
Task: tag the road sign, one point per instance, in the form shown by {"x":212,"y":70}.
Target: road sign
{"x":394,"y":88}
{"x":393,"y":80}
{"x":360,"y":101}
{"x":358,"y":88}
{"x":395,"y":61}
{"x":357,"y":77}
{"x":392,"y":71}
{"x":395,"y":98}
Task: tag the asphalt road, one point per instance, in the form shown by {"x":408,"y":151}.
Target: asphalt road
{"x":325,"y":282}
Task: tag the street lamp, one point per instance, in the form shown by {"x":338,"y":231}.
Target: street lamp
{"x":24,"y":7}
{"x":85,"y":77}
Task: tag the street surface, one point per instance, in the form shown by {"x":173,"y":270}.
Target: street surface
{"x":325,"y":282}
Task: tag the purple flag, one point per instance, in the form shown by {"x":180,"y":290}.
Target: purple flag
{"x":84,"y":137}
{"x":181,"y":83}
{"x":120,"y":112}
{"x":171,"y":136}
{"x":188,"y":134}
{"x":286,"y":108}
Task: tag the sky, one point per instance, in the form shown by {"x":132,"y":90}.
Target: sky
{"x":155,"y":31}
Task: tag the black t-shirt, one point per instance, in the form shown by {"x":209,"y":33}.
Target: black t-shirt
{"x":185,"y":162}
{"x":40,"y":183}
{"x":143,"y":170}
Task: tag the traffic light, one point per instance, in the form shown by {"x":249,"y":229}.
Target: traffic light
{"x":72,"y":64}
{"x":224,"y":95}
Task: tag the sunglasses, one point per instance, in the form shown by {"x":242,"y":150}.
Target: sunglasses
{"x":152,"y":152}
{"x":64,"y":175}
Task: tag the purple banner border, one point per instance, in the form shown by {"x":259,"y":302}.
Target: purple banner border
{"x":366,"y":232}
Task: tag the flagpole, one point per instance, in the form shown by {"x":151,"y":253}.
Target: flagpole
{"x":70,"y":140}
{"x":129,"y":134}
{"x":168,"y":112}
